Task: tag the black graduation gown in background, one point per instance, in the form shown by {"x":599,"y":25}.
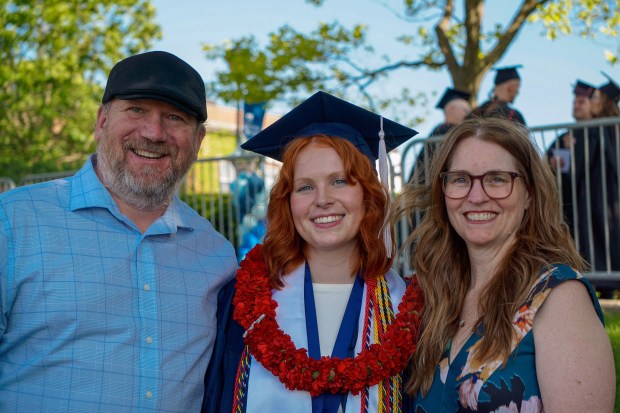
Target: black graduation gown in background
{"x":423,"y":161}
{"x":498,"y":109}
{"x":578,"y":223}
{"x":227,"y":351}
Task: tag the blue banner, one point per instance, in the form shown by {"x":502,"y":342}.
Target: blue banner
{"x":253,"y":115}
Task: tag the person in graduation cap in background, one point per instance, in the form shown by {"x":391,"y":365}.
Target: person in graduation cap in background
{"x":582,"y":111}
{"x":560,"y":152}
{"x":455,"y":105}
{"x":327,"y":324}
{"x":507,"y":84}
{"x":590,"y":204}
{"x":605,"y":99}
{"x":604,"y":195}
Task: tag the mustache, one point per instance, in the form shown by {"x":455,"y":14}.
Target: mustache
{"x":142,"y":144}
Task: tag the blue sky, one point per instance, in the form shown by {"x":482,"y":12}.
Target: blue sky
{"x":548,"y":73}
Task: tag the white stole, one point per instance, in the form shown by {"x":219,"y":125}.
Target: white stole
{"x":265,"y":391}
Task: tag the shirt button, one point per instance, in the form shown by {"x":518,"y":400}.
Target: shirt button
{"x":149,"y":394}
{"x":147,"y":287}
{"x":149,"y":340}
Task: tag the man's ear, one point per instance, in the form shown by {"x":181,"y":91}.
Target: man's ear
{"x":102,"y":117}
{"x":200,"y":134}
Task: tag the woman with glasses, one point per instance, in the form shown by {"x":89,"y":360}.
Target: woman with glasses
{"x":509,"y":323}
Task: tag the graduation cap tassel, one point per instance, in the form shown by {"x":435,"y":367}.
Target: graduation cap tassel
{"x":383,"y":176}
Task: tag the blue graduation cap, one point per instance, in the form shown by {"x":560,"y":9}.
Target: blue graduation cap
{"x":325,"y":114}
{"x":507,"y":73}
{"x":451,"y":94}
{"x":583,"y":89}
{"x":611,"y":88}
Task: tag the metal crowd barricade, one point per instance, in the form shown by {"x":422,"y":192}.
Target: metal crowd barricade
{"x":42,"y":177}
{"x":593,"y":182}
{"x":595,"y":211}
{"x":214,"y":188}
{"x":210,"y":188}
{"x":6,"y":184}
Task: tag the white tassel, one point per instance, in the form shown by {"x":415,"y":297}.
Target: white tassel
{"x":383,"y":177}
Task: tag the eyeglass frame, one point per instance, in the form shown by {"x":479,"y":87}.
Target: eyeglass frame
{"x":513,"y":176}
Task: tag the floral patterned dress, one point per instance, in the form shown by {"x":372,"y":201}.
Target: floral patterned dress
{"x":467,"y":386}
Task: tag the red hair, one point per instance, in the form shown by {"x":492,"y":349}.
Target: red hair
{"x":283,"y":247}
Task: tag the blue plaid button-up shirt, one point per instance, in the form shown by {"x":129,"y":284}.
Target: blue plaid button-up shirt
{"x":96,"y":316}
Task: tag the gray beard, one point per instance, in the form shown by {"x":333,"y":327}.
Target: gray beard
{"x":140,"y":193}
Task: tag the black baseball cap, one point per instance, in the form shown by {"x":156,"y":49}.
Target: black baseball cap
{"x":161,"y":76}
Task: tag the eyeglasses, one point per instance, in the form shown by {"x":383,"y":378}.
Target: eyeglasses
{"x":496,"y":184}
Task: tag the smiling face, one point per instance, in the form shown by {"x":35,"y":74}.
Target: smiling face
{"x":483,"y":223}
{"x":144,"y":148}
{"x":327,"y":208}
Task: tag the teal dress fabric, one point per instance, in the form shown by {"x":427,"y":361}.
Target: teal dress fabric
{"x":467,"y":386}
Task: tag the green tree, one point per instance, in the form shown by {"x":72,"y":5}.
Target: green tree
{"x":444,"y":33}
{"x":54,"y":57}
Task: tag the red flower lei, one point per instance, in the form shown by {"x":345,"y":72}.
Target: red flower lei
{"x":255,"y":310}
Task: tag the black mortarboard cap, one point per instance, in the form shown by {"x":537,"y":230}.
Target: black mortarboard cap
{"x":325,"y":114}
{"x":450,"y":95}
{"x":158,"y":75}
{"x":583,"y":89}
{"x":611,"y":89}
{"x":505,"y":74}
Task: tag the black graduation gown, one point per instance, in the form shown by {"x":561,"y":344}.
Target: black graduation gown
{"x":500,"y":109}
{"x":595,"y":203}
{"x":222,"y":370}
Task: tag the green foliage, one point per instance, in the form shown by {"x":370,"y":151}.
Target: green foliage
{"x":612,"y":325}
{"x":451,"y":34}
{"x":217,"y":208}
{"x":586,"y":18}
{"x":291,"y":62}
{"x":218,"y":143}
{"x":54,"y":56}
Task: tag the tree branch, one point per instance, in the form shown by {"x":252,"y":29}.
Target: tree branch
{"x":474,"y":10}
{"x":506,"y":39}
{"x":442,"y":38}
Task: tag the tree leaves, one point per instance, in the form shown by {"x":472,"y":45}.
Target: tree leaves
{"x":54,"y":58}
{"x":444,"y":33}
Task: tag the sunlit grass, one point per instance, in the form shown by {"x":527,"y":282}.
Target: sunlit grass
{"x":612,"y":325}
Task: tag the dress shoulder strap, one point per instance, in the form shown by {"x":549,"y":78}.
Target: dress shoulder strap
{"x":553,"y":276}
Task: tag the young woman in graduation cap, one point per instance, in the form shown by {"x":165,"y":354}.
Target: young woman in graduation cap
{"x":316,"y":321}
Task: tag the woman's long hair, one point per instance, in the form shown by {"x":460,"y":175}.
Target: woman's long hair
{"x":442,"y":264}
{"x":283,"y":248}
{"x":608,"y":106}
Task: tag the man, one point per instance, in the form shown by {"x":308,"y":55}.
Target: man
{"x":455,"y":105}
{"x":582,"y":110}
{"x":582,"y":105}
{"x":507,"y":84}
{"x":587,"y":173}
{"x":108,"y":282}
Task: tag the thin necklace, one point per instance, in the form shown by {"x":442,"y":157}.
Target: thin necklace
{"x":461,"y":323}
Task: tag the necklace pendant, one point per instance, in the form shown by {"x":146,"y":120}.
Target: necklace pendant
{"x":461,"y":323}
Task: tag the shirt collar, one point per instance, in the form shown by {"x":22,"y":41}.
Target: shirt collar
{"x":87,"y":191}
